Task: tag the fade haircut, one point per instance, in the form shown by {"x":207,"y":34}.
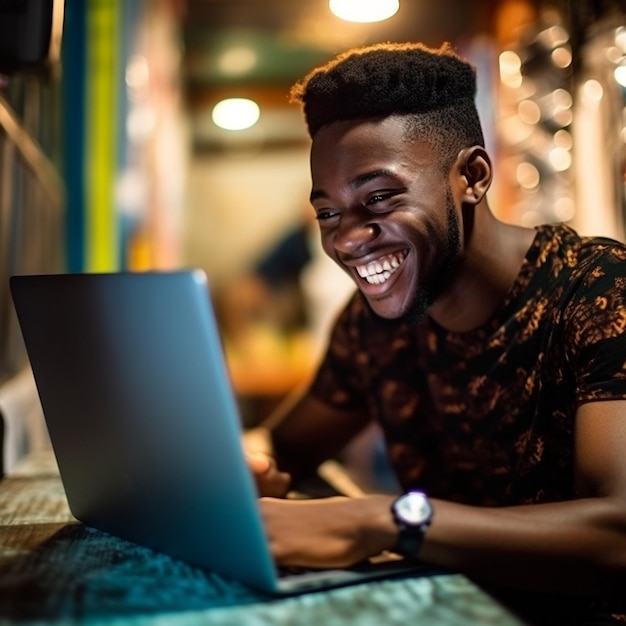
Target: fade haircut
{"x":434,"y":89}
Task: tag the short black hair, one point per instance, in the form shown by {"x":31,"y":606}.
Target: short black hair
{"x":434,"y":88}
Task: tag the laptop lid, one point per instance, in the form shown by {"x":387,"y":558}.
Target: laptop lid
{"x":143,"y":420}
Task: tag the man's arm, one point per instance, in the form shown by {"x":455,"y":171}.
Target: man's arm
{"x":303,"y":433}
{"x":573,"y":547}
{"x":577,"y":546}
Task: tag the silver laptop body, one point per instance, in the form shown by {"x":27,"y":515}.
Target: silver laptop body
{"x":144,"y":423}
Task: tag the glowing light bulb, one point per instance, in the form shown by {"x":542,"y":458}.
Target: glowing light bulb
{"x":364,"y":10}
{"x":236,"y":113}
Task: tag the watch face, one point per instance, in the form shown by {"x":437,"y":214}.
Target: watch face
{"x":413,"y":508}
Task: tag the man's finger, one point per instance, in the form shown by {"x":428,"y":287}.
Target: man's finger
{"x":259,"y":463}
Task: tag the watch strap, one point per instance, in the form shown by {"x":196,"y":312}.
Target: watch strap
{"x":409,"y":542}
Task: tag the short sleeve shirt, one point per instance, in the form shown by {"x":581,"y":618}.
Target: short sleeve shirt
{"x":486,"y":417}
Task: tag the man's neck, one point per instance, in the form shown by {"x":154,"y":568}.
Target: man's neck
{"x":492,"y":260}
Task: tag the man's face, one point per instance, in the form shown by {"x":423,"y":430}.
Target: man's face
{"x":386,"y":214}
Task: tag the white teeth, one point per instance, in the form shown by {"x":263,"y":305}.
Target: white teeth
{"x":377,"y":279}
{"x":378,"y":272}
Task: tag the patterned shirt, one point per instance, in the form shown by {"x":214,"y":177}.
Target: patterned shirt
{"x":486,"y":417}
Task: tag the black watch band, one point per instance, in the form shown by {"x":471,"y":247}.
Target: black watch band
{"x":409,"y":543}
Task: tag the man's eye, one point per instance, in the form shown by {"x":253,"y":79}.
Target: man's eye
{"x":379,"y":197}
{"x":326,"y":214}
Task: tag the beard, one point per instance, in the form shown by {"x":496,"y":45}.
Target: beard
{"x":439,"y":278}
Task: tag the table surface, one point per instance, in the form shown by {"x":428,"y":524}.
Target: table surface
{"x":55,"y":570}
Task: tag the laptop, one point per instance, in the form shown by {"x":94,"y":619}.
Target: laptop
{"x":145,"y":426}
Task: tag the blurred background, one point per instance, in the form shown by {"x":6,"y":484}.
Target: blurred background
{"x":118,"y":151}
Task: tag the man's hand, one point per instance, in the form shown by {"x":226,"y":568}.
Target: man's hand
{"x":270,"y":481}
{"x":328,"y":532}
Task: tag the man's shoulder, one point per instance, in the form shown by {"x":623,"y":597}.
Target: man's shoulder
{"x":579,"y":251}
{"x":566,"y":236}
{"x":587,"y":273}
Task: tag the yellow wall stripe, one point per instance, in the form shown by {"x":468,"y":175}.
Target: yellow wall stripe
{"x":101,"y":229}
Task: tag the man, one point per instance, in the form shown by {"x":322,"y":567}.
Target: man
{"x":492,"y":356}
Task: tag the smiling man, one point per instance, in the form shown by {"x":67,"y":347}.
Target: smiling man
{"x":492,"y":356}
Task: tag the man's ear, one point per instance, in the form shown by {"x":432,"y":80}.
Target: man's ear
{"x":475,"y":168}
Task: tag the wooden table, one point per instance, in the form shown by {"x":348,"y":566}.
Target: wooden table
{"x":54,"y":570}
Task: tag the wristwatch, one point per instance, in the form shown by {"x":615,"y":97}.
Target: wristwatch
{"x":412,"y":513}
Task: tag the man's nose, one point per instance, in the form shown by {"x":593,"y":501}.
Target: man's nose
{"x":355,"y":232}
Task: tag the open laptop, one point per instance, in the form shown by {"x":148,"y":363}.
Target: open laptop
{"x":144,"y":423}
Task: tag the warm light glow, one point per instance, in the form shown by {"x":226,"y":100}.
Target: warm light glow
{"x":613,"y":54}
{"x":620,"y":75}
{"x":236,"y":61}
{"x":564,"y":209}
{"x":560,"y":159}
{"x":532,"y":217}
{"x":364,"y":10}
{"x":620,"y":38}
{"x":514,"y":130}
{"x":137,"y":78}
{"x":510,"y":68}
{"x":563,"y":117}
{"x":529,"y":111}
{"x":563,"y":139}
{"x":562,"y":57}
{"x":593,"y":90}
{"x":527,"y":175}
{"x":560,"y":103}
{"x":140,"y":122}
{"x":554,"y":36}
{"x":561,"y":99}
{"x":235,"y":113}
{"x":137,"y":72}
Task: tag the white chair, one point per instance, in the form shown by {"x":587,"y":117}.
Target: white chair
{"x":23,"y":426}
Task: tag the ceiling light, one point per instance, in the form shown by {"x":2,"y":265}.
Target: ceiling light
{"x":364,"y":10}
{"x":235,"y":113}
{"x":236,"y":61}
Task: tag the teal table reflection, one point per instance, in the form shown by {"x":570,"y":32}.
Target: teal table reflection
{"x":54,"y":570}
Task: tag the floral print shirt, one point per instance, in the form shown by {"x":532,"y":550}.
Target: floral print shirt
{"x":486,"y":417}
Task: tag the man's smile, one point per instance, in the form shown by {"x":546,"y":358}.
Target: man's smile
{"x":379,"y":271}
